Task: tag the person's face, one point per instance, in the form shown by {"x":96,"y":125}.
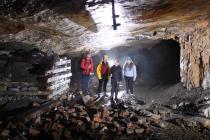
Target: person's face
{"x":88,"y":56}
{"x":128,"y":61}
{"x":116,"y":63}
{"x":105,"y":59}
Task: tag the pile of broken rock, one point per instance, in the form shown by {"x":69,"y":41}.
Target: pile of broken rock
{"x":80,"y":118}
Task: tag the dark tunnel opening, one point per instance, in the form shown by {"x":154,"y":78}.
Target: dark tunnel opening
{"x":158,"y":62}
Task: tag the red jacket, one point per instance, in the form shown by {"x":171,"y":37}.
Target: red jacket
{"x":87,"y":66}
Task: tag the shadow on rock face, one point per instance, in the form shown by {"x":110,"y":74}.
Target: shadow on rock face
{"x":29,"y":7}
{"x":23,"y":63}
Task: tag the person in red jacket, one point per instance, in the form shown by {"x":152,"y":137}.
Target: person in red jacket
{"x":87,"y":71}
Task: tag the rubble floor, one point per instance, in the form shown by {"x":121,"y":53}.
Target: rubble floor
{"x":139,"y":116}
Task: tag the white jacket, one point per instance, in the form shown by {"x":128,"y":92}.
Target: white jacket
{"x":130,"y":72}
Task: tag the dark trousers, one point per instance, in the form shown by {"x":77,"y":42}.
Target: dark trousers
{"x":129,"y":84}
{"x":102,"y":82}
{"x":115,"y":88}
{"x":85,"y":83}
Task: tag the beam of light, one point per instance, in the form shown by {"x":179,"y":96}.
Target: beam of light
{"x":111,"y":62}
{"x":107,"y":38}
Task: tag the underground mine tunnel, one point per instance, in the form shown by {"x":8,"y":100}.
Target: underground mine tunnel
{"x":43,"y":89}
{"x":158,"y":62}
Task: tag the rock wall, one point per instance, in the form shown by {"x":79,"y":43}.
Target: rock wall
{"x":22,"y":8}
{"x":195,"y":56}
{"x":187,"y":22}
{"x":194,"y":39}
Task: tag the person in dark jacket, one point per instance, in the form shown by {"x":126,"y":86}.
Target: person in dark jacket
{"x":103,"y":72}
{"x":116,"y":77}
{"x":87,"y":71}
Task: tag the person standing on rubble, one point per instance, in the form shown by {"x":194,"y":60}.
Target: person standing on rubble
{"x":103,"y":73}
{"x":129,"y":74}
{"x":116,"y":77}
{"x":87,"y":71}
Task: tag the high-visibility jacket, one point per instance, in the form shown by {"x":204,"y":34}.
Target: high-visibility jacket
{"x":99,"y":70}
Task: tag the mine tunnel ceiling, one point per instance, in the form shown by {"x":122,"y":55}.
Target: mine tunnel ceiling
{"x":67,"y":26}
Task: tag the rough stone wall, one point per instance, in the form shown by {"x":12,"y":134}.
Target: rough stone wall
{"x":194,"y":57}
{"x":187,"y":22}
{"x":20,"y":8}
{"x":194,"y":39}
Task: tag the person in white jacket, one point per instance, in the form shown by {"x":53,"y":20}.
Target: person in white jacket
{"x":129,"y":74}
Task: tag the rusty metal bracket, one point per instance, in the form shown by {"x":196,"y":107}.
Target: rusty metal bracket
{"x":114,"y":16}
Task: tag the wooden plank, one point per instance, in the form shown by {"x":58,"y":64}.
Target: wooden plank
{"x":58,"y":70}
{"x":32,"y":113}
{"x":61,"y":77}
{"x":59,"y":92}
{"x":62,"y":88}
{"x":62,"y":62}
{"x":55,"y":78}
{"x":55,"y":86}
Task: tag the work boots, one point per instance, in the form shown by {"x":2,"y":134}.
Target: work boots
{"x":116,"y":97}
{"x":105,"y":95}
{"x":112,"y":99}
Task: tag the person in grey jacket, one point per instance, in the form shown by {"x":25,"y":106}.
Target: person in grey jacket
{"x":129,"y":74}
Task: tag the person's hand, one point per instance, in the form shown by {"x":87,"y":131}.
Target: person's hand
{"x":134,"y":79}
{"x":119,"y":82}
{"x":89,"y":67}
{"x":92,"y":73}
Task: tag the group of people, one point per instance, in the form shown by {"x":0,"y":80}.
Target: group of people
{"x":105,"y":72}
